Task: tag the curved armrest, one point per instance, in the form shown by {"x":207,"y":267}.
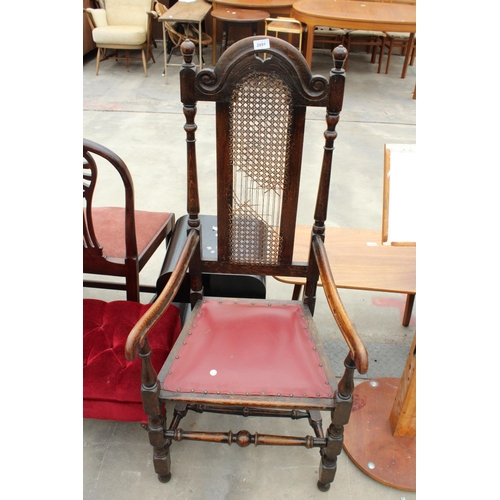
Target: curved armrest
{"x":90,"y":18}
{"x":137,"y":335}
{"x":96,"y":17}
{"x":357,"y":349}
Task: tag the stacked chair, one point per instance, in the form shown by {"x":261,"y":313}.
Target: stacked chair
{"x":117,"y":242}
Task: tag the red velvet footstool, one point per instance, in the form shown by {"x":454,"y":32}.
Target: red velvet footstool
{"x":111,"y":384}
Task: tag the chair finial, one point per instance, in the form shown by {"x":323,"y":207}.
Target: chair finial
{"x":187,"y":50}
{"x":339,"y":56}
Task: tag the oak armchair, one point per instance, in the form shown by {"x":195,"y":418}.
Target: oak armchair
{"x":253,"y":357}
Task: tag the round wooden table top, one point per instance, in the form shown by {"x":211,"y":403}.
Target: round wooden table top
{"x":255,"y":4}
{"x":234,"y":15}
{"x":369,"y":440}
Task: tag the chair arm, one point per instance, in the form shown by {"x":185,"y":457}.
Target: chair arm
{"x":96,"y":17}
{"x":90,"y":18}
{"x":356,"y":346}
{"x":149,"y":29}
{"x":138,"y":334}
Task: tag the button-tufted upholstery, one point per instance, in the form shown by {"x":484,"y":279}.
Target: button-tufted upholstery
{"x":111,"y":384}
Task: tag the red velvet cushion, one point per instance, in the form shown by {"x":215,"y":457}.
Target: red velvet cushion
{"x":236,"y":347}
{"x":109,"y":226}
{"x":111,"y":383}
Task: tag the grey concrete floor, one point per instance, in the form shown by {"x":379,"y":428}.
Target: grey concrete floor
{"x":141,"y":120}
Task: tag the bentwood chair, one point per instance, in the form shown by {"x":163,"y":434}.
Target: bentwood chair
{"x":122,"y":25}
{"x":253,"y":357}
{"x":118,"y":241}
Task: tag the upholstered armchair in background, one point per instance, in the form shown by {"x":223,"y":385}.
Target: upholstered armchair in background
{"x":122,"y":25}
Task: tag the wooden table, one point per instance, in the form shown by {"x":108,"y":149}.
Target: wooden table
{"x":185,"y":12}
{"x":380,"y":437}
{"x":278,"y":7}
{"x":274,"y":7}
{"x":243,"y":17}
{"x":359,"y":261}
{"x":376,"y":16}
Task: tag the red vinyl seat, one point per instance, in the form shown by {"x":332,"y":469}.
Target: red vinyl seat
{"x":281,"y":347}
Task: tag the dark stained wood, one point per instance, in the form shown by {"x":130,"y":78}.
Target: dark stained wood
{"x":261,"y":96}
{"x":244,"y":438}
{"x":95,"y":261}
{"x":138,"y":335}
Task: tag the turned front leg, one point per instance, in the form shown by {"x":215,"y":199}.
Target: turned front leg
{"x":335,"y":434}
{"x":329,"y":455}
{"x":150,"y":389}
{"x":161,"y":446}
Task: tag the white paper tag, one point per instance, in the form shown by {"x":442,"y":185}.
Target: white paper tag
{"x":261,"y":44}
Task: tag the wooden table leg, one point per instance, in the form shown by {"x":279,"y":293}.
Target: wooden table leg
{"x":164,"y":50}
{"x":409,"y":48}
{"x":200,"y":45}
{"x":223,"y":43}
{"x":214,"y":40}
{"x":225,"y":30}
{"x":309,"y":44}
{"x":410,"y":299}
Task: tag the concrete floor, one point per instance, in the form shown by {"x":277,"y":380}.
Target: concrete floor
{"x":141,"y":120}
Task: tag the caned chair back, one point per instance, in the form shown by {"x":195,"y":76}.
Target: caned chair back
{"x":261,"y":100}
